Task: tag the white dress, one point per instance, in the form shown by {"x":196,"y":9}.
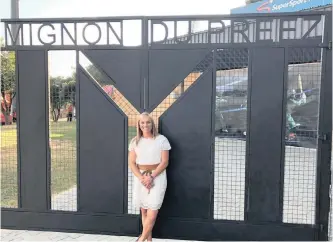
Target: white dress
{"x":148,"y":152}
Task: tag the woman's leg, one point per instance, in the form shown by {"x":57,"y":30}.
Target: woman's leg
{"x":148,"y":225}
{"x":143,"y":216}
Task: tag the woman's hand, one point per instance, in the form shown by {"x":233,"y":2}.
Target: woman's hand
{"x":147,"y":181}
{"x":143,"y":180}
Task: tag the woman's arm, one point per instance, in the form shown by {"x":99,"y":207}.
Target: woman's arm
{"x":163,"y":165}
{"x":133,"y":166}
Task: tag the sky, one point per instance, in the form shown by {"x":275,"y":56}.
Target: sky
{"x":62,"y":62}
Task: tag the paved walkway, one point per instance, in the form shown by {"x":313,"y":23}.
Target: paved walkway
{"x":25,"y":235}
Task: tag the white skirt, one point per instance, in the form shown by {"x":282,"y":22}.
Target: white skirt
{"x":153,"y":199}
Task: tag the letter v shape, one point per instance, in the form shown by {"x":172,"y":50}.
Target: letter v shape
{"x":125,"y":105}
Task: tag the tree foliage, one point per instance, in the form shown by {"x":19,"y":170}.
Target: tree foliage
{"x":8,"y":83}
{"x":62,"y":93}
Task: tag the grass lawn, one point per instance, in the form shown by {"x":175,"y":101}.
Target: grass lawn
{"x":63,"y":159}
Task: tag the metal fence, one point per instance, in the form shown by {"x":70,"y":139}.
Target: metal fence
{"x":209,"y":92}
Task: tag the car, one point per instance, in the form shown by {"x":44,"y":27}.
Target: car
{"x":231,"y":119}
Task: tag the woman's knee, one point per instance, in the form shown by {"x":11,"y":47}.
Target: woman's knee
{"x":151,"y":215}
{"x":143,"y":211}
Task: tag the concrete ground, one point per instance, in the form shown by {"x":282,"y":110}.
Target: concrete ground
{"x":25,"y":235}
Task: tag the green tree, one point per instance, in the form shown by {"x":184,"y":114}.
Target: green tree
{"x":62,"y":92}
{"x":56,"y":101}
{"x":8,"y":83}
{"x":68,"y":91}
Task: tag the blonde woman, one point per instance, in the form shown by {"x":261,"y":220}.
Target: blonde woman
{"x":148,"y":160}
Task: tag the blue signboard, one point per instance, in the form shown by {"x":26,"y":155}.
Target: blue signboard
{"x":279,"y":6}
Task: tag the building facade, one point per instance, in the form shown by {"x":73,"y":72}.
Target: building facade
{"x":280,"y":6}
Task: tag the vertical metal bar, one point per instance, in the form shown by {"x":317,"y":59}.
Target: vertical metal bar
{"x":283,"y":127}
{"x":62,"y":26}
{"x":151,"y":32}
{"x":232,"y":33}
{"x":6,"y":41}
{"x":143,"y":32}
{"x":289,"y":23}
{"x":108,"y":33}
{"x":77,"y":117}
{"x":144,"y":93}
{"x":30,"y":34}
{"x":48,"y":150}
{"x":32,"y":124}
{"x":125,"y":174}
{"x":22,"y":29}
{"x":324,"y":130}
{"x":277,"y":32}
{"x":145,"y":60}
{"x":239,"y":36}
{"x":248,"y":135}
{"x":302,"y":22}
{"x":19,"y":187}
{"x":224,"y":37}
{"x":264,"y":180}
{"x":213,"y":107}
{"x":122,"y":32}
{"x":175,"y":31}
{"x":76,"y":39}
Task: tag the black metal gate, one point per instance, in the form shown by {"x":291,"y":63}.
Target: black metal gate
{"x":246,"y":105}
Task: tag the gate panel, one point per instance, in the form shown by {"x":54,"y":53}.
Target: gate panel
{"x":265,"y":135}
{"x":230,"y":133}
{"x":167,"y":68}
{"x":301,"y":126}
{"x":32,"y":127}
{"x":187,"y":124}
{"x":102,"y":150}
{"x":124,"y":68}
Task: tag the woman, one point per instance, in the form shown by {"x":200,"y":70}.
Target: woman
{"x":148,"y":159}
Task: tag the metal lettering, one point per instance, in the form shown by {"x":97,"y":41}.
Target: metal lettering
{"x":240,"y":31}
{"x":247,"y":30}
{"x":49,"y":35}
{"x":155,"y":22}
{"x":283,"y":29}
{"x":215,"y":31}
{"x":188,"y":36}
{"x":317,"y":18}
{"x":74,"y":39}
{"x":99,"y":33}
{"x":119,"y":38}
{"x":19,"y":31}
{"x":263,"y":30}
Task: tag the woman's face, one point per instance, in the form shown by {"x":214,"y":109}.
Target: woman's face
{"x":145,"y":124}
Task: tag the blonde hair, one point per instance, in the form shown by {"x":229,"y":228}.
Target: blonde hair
{"x":139,"y":134}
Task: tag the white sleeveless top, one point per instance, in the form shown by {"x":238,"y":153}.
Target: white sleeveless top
{"x":148,"y":151}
